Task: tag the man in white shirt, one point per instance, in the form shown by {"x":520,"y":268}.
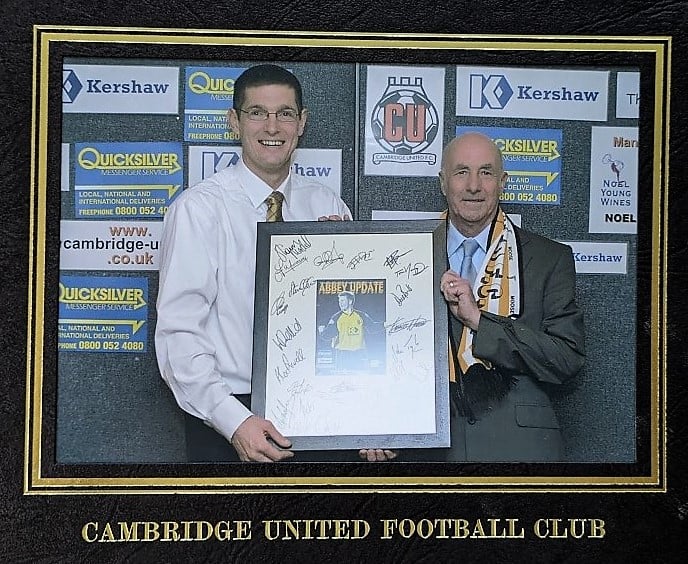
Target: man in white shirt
{"x":204,"y":332}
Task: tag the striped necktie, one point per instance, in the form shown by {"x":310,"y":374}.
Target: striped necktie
{"x":274,"y":202}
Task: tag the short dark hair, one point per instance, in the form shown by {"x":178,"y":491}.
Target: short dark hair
{"x":262,"y":75}
{"x":350,"y":295}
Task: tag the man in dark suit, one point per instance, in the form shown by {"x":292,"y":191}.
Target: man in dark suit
{"x":516,"y":328}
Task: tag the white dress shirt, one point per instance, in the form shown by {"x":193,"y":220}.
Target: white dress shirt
{"x":204,"y":331}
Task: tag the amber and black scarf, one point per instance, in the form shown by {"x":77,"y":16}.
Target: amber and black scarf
{"x":497,"y":290}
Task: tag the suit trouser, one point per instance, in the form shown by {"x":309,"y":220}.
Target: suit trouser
{"x":204,"y":444}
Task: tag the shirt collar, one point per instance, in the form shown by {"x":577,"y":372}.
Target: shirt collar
{"x":257,"y":189}
{"x":455,"y":239}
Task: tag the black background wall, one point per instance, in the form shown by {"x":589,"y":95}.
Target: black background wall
{"x":640,"y":527}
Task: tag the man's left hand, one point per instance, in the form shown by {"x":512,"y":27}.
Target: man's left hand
{"x":334,"y":218}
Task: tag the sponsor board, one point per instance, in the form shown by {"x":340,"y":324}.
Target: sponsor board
{"x":323,"y":165}
{"x":120,"y":89}
{"x":107,"y":245}
{"x":613,"y":180}
{"x":102,"y":314}
{"x":532,"y":157}
{"x":593,"y":257}
{"x":404,"y":121}
{"x":531,"y":93}
{"x":126,"y":180}
{"x":208,"y":95}
{"x":628,"y":95}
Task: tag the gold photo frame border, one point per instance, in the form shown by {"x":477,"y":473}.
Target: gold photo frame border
{"x":36,"y":479}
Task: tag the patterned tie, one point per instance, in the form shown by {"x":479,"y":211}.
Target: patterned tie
{"x":274,"y":202}
{"x":467,"y":269}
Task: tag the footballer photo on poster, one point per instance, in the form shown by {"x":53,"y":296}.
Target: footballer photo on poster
{"x":350,"y":316}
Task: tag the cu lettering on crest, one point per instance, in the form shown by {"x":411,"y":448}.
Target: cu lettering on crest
{"x":404,"y":121}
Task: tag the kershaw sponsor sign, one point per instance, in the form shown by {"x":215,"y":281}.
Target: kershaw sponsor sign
{"x":102,"y":314}
{"x":531,"y":93}
{"x":613,"y":180}
{"x":323,"y":165}
{"x":109,"y":245}
{"x":404,"y":121}
{"x":532,"y":158}
{"x":120,"y":89}
{"x":208,"y":94}
{"x":126,"y":180}
{"x":627,"y":94}
{"x":599,"y":258}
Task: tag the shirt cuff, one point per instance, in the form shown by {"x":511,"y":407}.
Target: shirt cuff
{"x":228,"y":415}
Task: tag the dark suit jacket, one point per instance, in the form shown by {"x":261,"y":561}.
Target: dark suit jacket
{"x":545,"y":345}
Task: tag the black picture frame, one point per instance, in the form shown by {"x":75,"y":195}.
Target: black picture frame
{"x":393,"y":268}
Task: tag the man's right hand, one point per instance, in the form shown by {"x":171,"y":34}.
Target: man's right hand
{"x":459,"y":296}
{"x":257,"y":440}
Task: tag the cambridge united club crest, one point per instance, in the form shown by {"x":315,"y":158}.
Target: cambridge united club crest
{"x":404,"y":122}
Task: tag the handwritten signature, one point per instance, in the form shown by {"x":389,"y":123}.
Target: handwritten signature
{"x":328,"y":258}
{"x":283,"y":371}
{"x":283,"y":337}
{"x":279,"y":306}
{"x":343,"y":386}
{"x":362,"y":256}
{"x":290,"y":256}
{"x":295,"y":408}
{"x":393,"y":258}
{"x":401,"y":324}
{"x":410,"y":346}
{"x":404,"y":292}
{"x":302,"y":286}
{"x":284,"y":267}
{"x":417,"y":371}
{"x":412,"y":269}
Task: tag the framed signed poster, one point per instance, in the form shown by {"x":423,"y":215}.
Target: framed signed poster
{"x":350,"y":336}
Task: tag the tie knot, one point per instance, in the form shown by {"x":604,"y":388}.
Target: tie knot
{"x":469,"y":247}
{"x":274,"y":203}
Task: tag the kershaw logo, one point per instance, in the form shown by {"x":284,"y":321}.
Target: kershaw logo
{"x":311,"y":171}
{"x":493,"y":91}
{"x":561,"y":93}
{"x":71,"y":86}
{"x":97,"y":86}
{"x":213,"y":162}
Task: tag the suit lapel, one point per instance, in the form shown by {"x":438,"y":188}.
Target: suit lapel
{"x":523,"y":240}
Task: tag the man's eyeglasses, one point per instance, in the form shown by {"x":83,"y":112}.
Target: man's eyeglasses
{"x":261,"y":114}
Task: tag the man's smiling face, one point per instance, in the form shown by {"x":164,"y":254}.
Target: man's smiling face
{"x":267,"y":146}
{"x":472,"y":178}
